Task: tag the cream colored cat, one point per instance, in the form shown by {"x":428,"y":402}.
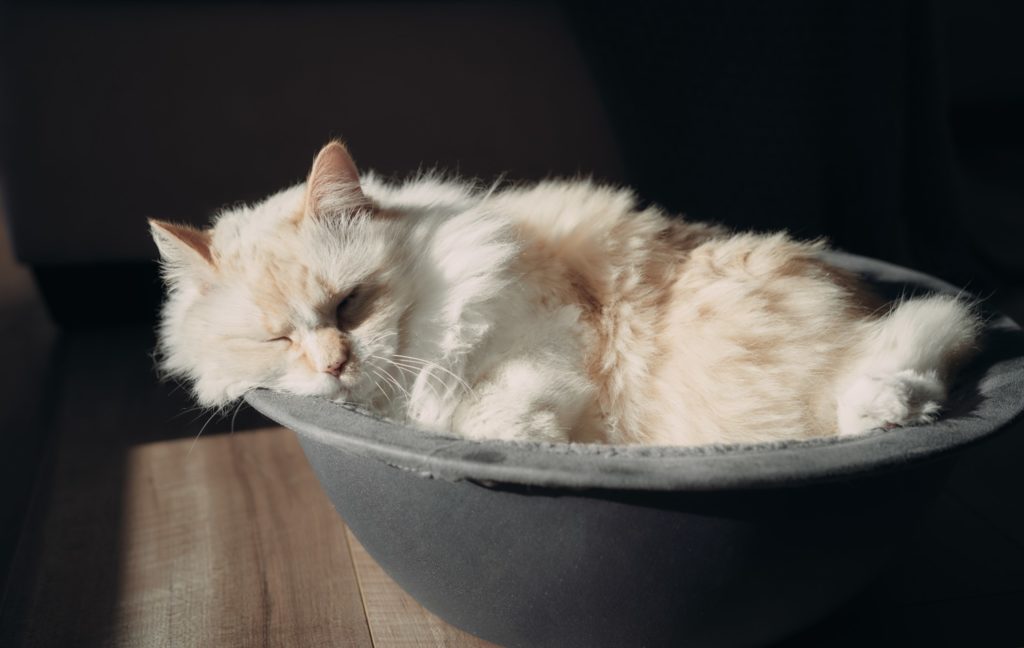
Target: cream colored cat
{"x":557,"y":312}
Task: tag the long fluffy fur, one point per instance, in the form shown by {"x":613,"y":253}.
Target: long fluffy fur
{"x":558,"y":311}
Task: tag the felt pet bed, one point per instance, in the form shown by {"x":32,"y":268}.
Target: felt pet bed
{"x":531,"y":544}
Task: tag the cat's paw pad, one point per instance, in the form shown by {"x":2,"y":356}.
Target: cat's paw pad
{"x":889,"y":401}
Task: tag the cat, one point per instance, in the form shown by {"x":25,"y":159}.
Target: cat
{"x":556,"y":312}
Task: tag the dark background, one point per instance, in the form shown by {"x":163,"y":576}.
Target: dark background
{"x":893,"y":128}
{"x":896,"y":129}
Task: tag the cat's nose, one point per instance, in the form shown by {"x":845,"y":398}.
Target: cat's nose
{"x":336,"y":366}
{"x":328,"y":350}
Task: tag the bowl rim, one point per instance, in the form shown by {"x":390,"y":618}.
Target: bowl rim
{"x":997,"y":376}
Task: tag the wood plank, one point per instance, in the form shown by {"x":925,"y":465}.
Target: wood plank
{"x":396,"y":619}
{"x":137,"y":538}
{"x":233,"y":544}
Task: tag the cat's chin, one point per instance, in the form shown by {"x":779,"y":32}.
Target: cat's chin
{"x":337,"y":393}
{"x":329,"y":389}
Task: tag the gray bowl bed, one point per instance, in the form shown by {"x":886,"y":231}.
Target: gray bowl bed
{"x":530,"y":544}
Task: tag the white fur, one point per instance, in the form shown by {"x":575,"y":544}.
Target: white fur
{"x":554,"y":312}
{"x":901,"y":374}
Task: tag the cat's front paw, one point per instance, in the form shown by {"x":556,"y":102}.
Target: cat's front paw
{"x":500,"y":423}
{"x":891,"y":400}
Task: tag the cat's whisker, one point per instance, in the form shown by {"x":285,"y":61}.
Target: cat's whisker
{"x":397,"y":383}
{"x":408,"y":368}
{"x":189,"y":410}
{"x":202,"y":412}
{"x":379,"y":375}
{"x":379,"y":337}
{"x":428,"y":375}
{"x":200,"y":433}
{"x":388,"y":379}
{"x":434,"y":365}
{"x":434,"y":383}
{"x":417,"y":371}
{"x":233,"y":416}
{"x":403,"y":369}
{"x":377,"y":385}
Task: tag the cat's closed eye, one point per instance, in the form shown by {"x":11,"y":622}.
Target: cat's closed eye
{"x":341,"y":310}
{"x":280,"y":338}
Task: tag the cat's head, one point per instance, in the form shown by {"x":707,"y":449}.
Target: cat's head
{"x":302,"y":292}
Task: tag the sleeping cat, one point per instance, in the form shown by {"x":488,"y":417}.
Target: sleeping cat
{"x":555,"y":312}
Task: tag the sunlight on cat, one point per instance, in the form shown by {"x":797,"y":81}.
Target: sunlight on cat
{"x":556,"y":311}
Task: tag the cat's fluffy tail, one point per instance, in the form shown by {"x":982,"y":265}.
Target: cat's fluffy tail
{"x":902,"y":372}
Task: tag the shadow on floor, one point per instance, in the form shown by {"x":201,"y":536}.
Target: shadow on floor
{"x":104,"y":400}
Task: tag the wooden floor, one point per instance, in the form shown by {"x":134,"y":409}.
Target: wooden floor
{"x":234,"y":543}
{"x":143,"y":534}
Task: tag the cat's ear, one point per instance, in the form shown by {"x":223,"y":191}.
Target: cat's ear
{"x":333,"y":183}
{"x":183,"y":247}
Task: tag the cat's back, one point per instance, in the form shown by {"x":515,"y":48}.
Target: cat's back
{"x":596,"y":232}
{"x":727,"y":332}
